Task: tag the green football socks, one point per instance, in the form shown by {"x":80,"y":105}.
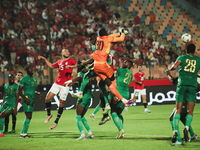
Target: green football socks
{"x":117,"y":121}
{"x":2,"y":120}
{"x":97,"y":108}
{"x":79,"y":123}
{"x":86,"y":124}
{"x":25,"y":126}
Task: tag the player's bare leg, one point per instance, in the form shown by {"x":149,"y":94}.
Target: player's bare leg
{"x":2,"y":120}
{"x":60,"y":111}
{"x":145,"y":104}
{"x":48,"y":99}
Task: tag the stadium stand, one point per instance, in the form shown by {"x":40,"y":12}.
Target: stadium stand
{"x":28,"y":36}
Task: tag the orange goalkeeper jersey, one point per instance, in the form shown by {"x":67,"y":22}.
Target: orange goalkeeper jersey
{"x":103,"y":45}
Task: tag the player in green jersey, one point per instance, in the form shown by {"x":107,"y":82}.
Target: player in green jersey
{"x":10,"y":101}
{"x":183,"y":114}
{"x":124,"y":78}
{"x":19,"y":105}
{"x":189,"y":66}
{"x":28,"y":84}
{"x":104,"y":94}
{"x":83,"y":103}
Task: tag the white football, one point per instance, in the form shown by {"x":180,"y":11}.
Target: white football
{"x":186,"y":37}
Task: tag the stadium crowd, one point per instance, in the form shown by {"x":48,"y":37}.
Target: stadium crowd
{"x":24,"y":33}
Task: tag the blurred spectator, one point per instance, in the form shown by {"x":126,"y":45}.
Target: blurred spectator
{"x":155,"y":44}
{"x":136,"y":54}
{"x":137,"y":19}
{"x":170,"y":53}
{"x":137,"y":41}
{"x":22,"y":60}
{"x":29,"y":59}
{"x":6,"y":49}
{"x":152,"y":19}
{"x":139,"y":61}
{"x":167,"y":59}
{"x":154,"y":61}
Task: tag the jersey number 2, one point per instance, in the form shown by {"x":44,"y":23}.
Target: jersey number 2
{"x":127,"y":80}
{"x":191,"y":65}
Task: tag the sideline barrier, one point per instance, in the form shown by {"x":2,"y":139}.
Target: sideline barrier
{"x":156,"y":95}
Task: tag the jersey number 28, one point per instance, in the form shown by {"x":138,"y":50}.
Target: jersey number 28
{"x":191,"y":65}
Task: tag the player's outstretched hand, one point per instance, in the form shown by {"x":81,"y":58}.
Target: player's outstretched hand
{"x":167,"y":72}
{"x":41,"y":57}
{"x":122,"y":30}
{"x":70,"y":66}
{"x":68,"y":83}
{"x":27,"y":101}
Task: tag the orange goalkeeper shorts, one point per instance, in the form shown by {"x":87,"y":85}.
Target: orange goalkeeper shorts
{"x":103,"y":70}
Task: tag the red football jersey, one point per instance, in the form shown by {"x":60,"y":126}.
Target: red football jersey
{"x":139,"y":77}
{"x":63,"y":73}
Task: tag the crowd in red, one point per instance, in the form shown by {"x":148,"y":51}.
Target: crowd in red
{"x":24,"y":33}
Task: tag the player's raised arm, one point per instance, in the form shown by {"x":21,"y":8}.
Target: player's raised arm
{"x":138,"y":82}
{"x":69,"y":82}
{"x":175,"y":65}
{"x":46,"y":61}
{"x":114,"y":35}
{"x":119,"y":39}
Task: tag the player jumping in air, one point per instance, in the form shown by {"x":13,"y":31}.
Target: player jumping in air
{"x":101,"y":67}
{"x":183,"y":114}
{"x":189,"y":65}
{"x":63,"y":76}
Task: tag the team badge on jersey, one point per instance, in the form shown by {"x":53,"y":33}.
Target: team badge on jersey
{"x":66,"y":63}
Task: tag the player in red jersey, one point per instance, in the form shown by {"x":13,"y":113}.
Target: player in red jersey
{"x":139,"y":87}
{"x":14,"y":118}
{"x":63,"y":76}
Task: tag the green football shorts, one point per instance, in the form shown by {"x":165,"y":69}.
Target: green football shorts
{"x":8,"y":108}
{"x":186,"y":93}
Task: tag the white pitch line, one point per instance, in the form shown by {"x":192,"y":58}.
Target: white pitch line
{"x":147,"y":135}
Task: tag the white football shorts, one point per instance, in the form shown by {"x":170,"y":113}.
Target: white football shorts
{"x":139,"y":91}
{"x":62,"y":91}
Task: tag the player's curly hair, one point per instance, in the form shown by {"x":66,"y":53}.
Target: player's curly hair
{"x":103,"y":32}
{"x":130,"y":63}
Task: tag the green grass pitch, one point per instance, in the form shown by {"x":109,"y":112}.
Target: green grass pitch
{"x":142,"y":131}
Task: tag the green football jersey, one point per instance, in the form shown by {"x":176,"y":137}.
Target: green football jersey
{"x":87,"y":93}
{"x":108,"y":59}
{"x":124,"y":78}
{"x":29,"y":84}
{"x":188,"y":69}
{"x":10,"y":93}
